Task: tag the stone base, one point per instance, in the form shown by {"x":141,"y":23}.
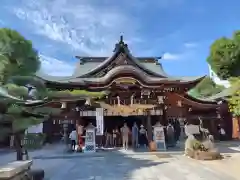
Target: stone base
{"x":15,"y":170}
{"x":211,"y":155}
{"x":202,"y":155}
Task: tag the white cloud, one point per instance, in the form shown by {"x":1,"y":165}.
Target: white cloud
{"x":89,"y":27}
{"x":190,"y":45}
{"x":170,"y":56}
{"x":82,"y":25}
{"x":55,"y":67}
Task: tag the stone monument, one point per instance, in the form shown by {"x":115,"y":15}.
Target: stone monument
{"x":90,"y":143}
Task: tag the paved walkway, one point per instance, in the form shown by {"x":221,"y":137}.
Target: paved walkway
{"x":121,"y":165}
{"x":229,"y":165}
{"x":51,"y":150}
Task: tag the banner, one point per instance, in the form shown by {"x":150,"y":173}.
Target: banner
{"x":99,"y":121}
{"x":35,"y":129}
{"x":159,"y":138}
{"x":192,"y":129}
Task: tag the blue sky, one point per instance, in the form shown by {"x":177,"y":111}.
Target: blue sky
{"x":179,"y":30}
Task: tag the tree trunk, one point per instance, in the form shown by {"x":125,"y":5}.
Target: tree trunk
{"x":18,"y":146}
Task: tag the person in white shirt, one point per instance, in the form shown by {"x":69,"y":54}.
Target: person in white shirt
{"x":222,"y":134}
{"x":73,"y":138}
{"x":125,"y":133}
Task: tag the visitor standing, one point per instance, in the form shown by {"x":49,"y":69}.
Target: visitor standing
{"x":135,"y":135}
{"x":222,"y":134}
{"x":125,"y":133}
{"x":108,"y":140}
{"x":114,"y":138}
{"x":73,"y":138}
{"x":143,"y":136}
{"x":118,"y":138}
{"x":170,"y":134}
{"x":177,"y":129}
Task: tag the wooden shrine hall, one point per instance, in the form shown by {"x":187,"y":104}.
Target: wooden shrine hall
{"x":135,"y":87}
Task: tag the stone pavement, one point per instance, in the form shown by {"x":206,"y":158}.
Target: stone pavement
{"x":230,"y":165}
{"x":120,"y":166}
{"x":50,"y":150}
{"x":123,"y":165}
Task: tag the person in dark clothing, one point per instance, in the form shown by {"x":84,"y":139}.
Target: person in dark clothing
{"x":108,"y":136}
{"x":114,"y":138}
{"x":143,"y":136}
{"x":177,"y":130}
{"x":73,"y":138}
{"x":165,"y":134}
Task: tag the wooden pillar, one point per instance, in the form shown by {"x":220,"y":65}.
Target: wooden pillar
{"x":164,"y":117}
{"x":161,"y":120}
{"x":149,"y":127}
{"x":238,"y":120}
{"x":213,"y":128}
{"x":79,"y":129}
{"x":236,"y":128}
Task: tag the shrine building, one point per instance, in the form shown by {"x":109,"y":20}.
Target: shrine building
{"x":135,"y":89}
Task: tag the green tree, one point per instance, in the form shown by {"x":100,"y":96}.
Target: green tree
{"x":224,"y":57}
{"x":234,"y":100}
{"x":19,"y":63}
{"x":206,"y":88}
{"x":20,"y":114}
{"x":17,"y":55}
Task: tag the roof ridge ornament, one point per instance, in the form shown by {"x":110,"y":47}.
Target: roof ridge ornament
{"x":121,"y":40}
{"x":120,"y":44}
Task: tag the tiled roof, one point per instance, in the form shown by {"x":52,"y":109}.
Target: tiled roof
{"x":225,"y":93}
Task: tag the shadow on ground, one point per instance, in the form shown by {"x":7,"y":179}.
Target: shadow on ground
{"x":228,"y":147}
{"x":113,"y":165}
{"x":175,"y":149}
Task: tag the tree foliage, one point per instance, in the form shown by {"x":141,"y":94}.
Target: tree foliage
{"x":224,"y":57}
{"x":19,"y":63}
{"x":17,"y":55}
{"x":234,"y":100}
{"x":206,"y":88}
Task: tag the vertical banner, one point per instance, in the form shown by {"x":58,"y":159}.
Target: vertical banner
{"x":99,"y":121}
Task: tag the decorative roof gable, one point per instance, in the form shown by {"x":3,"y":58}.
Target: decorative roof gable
{"x":121,"y":56}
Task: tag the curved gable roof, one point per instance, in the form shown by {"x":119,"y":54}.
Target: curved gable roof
{"x":121,"y":47}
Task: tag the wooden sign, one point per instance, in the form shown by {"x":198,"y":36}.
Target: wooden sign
{"x":124,"y":81}
{"x":159,"y":138}
{"x":192,"y":129}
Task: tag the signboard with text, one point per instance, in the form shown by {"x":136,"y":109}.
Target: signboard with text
{"x":159,"y":137}
{"x":192,"y":129}
{"x":99,"y":121}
